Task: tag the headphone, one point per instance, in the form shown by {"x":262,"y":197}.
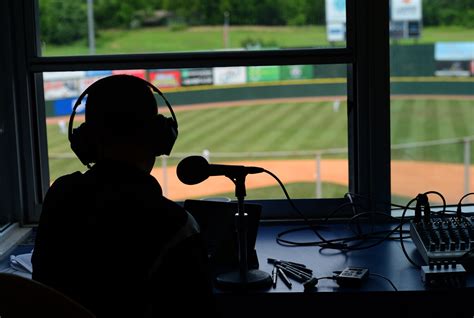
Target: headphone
{"x":81,"y":138}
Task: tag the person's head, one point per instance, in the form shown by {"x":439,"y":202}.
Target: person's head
{"x":120,"y":115}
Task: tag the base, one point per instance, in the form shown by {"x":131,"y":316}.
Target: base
{"x":256,"y":279}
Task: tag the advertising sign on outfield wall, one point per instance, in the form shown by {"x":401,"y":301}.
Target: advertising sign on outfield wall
{"x":62,"y":84}
{"x":88,"y":81}
{"x":64,"y":106}
{"x":454,"y":58}
{"x":61,"y":89}
{"x":263,"y":73}
{"x":295,"y":72}
{"x":165,"y":78}
{"x":98,"y":73}
{"x":137,"y":73}
{"x":229,"y":75}
{"x":196,"y":76}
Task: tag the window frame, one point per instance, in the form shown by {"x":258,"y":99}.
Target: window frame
{"x":366,"y":54}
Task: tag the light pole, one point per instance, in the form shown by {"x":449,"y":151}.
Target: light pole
{"x":90,"y":26}
{"x":226,"y":29}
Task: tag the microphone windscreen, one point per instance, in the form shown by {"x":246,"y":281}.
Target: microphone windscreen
{"x":193,"y":170}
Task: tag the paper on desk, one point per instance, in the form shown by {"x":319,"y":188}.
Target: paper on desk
{"x":22,"y":262}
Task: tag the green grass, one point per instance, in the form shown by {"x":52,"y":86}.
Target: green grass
{"x":441,"y":34}
{"x":300,"y":190}
{"x":424,"y":120}
{"x":301,"y":126}
{"x":268,"y":127}
{"x":295,"y":190}
{"x":162,"y":39}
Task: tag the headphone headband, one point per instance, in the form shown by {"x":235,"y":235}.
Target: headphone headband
{"x":81,"y":137}
{"x":86,"y":91}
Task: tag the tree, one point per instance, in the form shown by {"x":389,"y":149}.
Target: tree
{"x":119,"y":13}
{"x":62,"y":22}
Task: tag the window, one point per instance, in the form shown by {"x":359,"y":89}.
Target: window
{"x":125,"y":27}
{"x":265,"y":115}
{"x":432,"y":101}
{"x":355,"y":77}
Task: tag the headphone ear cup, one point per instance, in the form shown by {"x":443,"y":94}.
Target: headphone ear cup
{"x":82,"y":146}
{"x":165,"y":134}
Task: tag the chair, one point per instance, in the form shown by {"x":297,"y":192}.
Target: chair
{"x":23,"y":297}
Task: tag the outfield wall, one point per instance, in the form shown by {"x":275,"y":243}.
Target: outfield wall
{"x":210,"y":94}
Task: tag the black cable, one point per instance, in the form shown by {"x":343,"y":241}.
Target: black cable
{"x":401,"y":240}
{"x":372,"y":235}
{"x":441,"y":196}
{"x":458,"y":210}
{"x":342,"y":242}
{"x":354,"y":212}
{"x":313,"y":228}
{"x":387,"y":279}
{"x":325,"y":243}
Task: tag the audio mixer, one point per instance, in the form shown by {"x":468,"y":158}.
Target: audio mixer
{"x":444,"y":239}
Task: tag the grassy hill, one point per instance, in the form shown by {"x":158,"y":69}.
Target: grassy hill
{"x":164,"y":39}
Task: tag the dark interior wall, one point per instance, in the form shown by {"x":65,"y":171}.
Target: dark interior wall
{"x":9,"y":190}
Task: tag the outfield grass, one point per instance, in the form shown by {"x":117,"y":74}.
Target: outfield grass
{"x":295,"y":191}
{"x":300,"y":190}
{"x":301,"y":126}
{"x":425,"y":120}
{"x":162,"y":39}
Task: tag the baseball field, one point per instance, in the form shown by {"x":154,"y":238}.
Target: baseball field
{"x":284,"y":136}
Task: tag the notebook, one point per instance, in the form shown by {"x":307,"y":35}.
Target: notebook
{"x":217,"y":222}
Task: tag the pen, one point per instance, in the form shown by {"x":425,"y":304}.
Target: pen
{"x":275,"y":261}
{"x":274,"y":276}
{"x":303,"y":271}
{"x":303,"y":275}
{"x":293,"y":274}
{"x":284,"y":278}
{"x":298,"y":266}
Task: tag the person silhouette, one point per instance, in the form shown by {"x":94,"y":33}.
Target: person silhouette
{"x":108,"y":238}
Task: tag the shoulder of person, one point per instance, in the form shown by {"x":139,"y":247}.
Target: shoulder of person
{"x":67,"y":179}
{"x":64,"y":185}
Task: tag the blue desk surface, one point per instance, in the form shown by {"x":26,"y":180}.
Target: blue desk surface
{"x":375,"y":298}
{"x":386,"y":259}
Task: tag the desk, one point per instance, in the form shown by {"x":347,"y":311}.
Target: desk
{"x":375,"y":298}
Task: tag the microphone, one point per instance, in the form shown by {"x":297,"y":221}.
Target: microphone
{"x":196,"y":169}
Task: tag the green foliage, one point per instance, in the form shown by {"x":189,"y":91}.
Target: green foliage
{"x":62,"y":22}
{"x":248,"y":12}
{"x":448,"y":12}
{"x":119,"y":13}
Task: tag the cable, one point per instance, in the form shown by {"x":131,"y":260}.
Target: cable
{"x":401,"y":240}
{"x":387,"y":279}
{"x":442,"y":198}
{"x":354,"y":212}
{"x":313,"y":228}
{"x":368,"y":236}
{"x":458,"y":210}
{"x":342,"y":243}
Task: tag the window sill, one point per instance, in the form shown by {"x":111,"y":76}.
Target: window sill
{"x":11,"y":237}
